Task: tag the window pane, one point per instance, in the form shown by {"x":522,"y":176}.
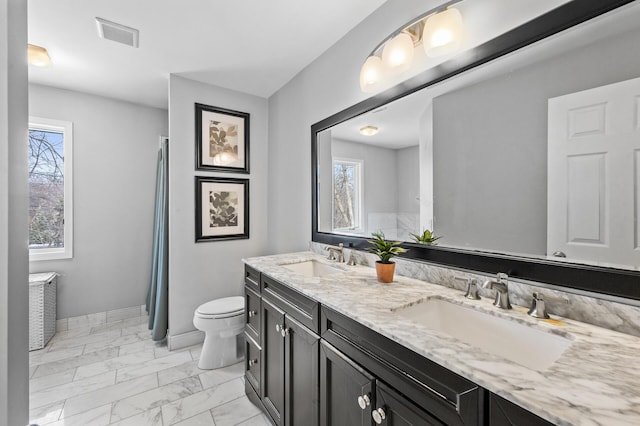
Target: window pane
{"x":346,"y":196}
{"x":46,"y":189}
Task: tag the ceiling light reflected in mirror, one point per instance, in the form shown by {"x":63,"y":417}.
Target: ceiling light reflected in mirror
{"x":368,"y":130}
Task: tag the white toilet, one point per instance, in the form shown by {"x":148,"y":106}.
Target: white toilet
{"x":222,"y":321}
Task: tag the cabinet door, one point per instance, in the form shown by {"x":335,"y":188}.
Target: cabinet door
{"x":505,"y":413}
{"x":343,"y":387}
{"x":393,"y":409}
{"x":301,"y":375}
{"x":252,"y":314}
{"x":273,"y":361}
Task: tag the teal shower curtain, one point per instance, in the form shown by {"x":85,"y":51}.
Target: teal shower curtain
{"x":157,"y":296}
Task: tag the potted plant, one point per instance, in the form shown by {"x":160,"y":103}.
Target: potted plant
{"x":385,"y":250}
{"x":427,"y":237}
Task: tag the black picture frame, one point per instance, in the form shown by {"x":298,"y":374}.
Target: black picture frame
{"x":230,"y":193}
{"x":233,"y":150}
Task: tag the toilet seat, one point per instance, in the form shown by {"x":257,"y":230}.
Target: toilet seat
{"x":222,"y":308}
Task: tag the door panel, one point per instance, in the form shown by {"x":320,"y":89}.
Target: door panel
{"x":273,"y":361}
{"x":301,"y":375}
{"x":342,"y":382}
{"x":593,"y":182}
{"x":396,"y":410}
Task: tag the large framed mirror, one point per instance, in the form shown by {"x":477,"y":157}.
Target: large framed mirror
{"x":522,"y":155}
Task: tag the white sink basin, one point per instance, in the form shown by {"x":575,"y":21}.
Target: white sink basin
{"x":527,"y":346}
{"x":312,"y":268}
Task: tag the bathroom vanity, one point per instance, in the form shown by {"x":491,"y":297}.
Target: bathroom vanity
{"x":327,"y":344}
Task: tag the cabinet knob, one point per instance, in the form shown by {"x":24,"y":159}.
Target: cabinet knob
{"x":284,"y":331}
{"x":277,"y":327}
{"x":364,"y":401}
{"x":253,"y":362}
{"x":252,"y":314}
{"x":378,"y":416}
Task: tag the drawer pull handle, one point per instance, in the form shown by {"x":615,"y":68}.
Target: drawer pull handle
{"x":252,"y":314}
{"x":364,"y":401}
{"x":284,"y":331}
{"x":378,"y":416}
{"x":277,"y":328}
{"x":253,"y":362}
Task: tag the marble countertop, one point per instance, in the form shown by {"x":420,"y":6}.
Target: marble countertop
{"x":596,"y":381}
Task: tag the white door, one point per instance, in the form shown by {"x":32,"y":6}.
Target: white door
{"x":594,"y":175}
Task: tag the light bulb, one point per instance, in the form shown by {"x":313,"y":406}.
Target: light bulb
{"x":397,"y":53}
{"x":371,"y":74}
{"x":38,"y":56}
{"x":443,"y":33}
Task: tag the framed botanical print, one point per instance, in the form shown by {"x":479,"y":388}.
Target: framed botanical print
{"x":222,"y":209}
{"x":222,"y":139}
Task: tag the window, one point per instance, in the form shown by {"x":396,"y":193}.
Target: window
{"x":50,"y":189}
{"x":347,"y":194}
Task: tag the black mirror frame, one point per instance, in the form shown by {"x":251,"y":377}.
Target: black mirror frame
{"x":610,"y":281}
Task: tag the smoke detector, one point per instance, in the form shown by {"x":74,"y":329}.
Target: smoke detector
{"x":116,"y":32}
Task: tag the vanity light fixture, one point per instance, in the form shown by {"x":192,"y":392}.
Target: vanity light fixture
{"x":439,"y":30}
{"x":38,"y":56}
{"x":368,"y":130}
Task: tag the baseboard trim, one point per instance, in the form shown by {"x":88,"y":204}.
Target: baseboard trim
{"x":183,"y":340}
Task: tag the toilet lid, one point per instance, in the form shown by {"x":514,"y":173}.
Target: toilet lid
{"x":226,"y":305}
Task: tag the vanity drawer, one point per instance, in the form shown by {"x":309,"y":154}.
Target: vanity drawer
{"x":252,"y":313}
{"x":293,"y":303}
{"x":450,"y":398}
{"x":252,"y":278}
{"x":253,"y":363}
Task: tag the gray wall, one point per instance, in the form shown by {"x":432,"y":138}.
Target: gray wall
{"x":326,"y":86}
{"x":115,"y":148}
{"x":14,"y":359}
{"x":204,"y":271}
{"x":408,"y":172}
{"x":490,"y":147}
{"x":379,"y":190}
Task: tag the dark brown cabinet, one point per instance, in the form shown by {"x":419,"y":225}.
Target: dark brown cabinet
{"x":393,"y":409}
{"x":308,"y":365}
{"x":347,"y":390}
{"x":505,"y":413}
{"x":288,"y":385}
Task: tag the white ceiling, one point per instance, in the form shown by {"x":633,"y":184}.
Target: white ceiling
{"x":253,"y":46}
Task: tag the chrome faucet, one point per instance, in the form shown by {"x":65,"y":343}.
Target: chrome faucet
{"x":539,"y":307}
{"x":336,"y":253}
{"x":502,"y":290}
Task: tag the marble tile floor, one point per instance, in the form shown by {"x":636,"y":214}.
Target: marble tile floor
{"x":114,"y":374}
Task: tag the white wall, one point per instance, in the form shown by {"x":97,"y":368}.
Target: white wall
{"x":204,"y":271}
{"x":114,"y":171}
{"x":14,"y":359}
{"x":326,"y":86}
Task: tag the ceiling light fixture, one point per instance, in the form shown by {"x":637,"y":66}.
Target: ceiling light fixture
{"x":439,"y":30}
{"x":38,"y":56}
{"x":369,"y":130}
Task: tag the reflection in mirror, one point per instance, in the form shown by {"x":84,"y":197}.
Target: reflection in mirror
{"x":534,"y":154}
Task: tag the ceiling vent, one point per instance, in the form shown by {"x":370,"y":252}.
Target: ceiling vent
{"x":118,"y":33}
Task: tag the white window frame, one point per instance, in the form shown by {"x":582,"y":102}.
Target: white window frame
{"x":66,"y":128}
{"x":360,"y":173}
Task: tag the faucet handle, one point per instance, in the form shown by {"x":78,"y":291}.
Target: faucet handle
{"x":538,"y":307}
{"x":502,"y":277}
{"x":472,"y":288}
{"x":538,"y":304}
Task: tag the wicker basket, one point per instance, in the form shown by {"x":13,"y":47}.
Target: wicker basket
{"x":42,"y":309}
